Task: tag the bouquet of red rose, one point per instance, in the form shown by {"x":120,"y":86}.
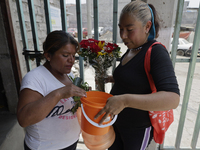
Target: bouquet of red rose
{"x":100,"y":55}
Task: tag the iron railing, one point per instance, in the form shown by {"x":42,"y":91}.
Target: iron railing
{"x":29,"y":54}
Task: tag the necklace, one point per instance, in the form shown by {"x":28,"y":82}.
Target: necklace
{"x":136,"y":49}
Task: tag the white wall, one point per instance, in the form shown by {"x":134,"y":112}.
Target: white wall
{"x":167,"y":13}
{"x":41,"y":27}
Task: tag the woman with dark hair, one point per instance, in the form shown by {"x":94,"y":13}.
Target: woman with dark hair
{"x":45,"y":100}
{"x":132,"y":100}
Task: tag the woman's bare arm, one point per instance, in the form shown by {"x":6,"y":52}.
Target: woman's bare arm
{"x":159,"y":101}
{"x":33,"y":107}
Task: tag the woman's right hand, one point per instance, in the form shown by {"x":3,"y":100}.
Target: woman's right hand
{"x":71,"y":90}
{"x":114,"y":106}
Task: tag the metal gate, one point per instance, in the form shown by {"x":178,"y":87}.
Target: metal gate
{"x":36,"y":53}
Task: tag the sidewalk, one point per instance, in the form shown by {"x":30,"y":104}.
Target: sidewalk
{"x":181,"y":70}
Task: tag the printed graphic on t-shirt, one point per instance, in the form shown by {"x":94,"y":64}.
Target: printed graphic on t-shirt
{"x":63,"y":109}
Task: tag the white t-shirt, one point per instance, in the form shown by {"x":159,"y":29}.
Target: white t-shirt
{"x":60,"y":128}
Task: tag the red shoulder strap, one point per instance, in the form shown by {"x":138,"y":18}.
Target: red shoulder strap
{"x":147,"y":67}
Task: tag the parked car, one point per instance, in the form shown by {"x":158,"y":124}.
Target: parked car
{"x":84,"y":31}
{"x":183,"y":46}
{"x":189,"y":52}
{"x":72,"y":31}
{"x":101,"y":31}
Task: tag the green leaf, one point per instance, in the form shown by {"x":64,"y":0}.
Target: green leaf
{"x":78,"y":82}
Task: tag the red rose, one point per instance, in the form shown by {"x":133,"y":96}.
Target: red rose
{"x":92,"y":45}
{"x":84,"y":44}
{"x":95,"y":48}
{"x":113,"y":45}
{"x":93,"y":41}
{"x":109,"y":48}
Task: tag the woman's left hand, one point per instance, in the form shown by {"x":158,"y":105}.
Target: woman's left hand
{"x":114,"y":106}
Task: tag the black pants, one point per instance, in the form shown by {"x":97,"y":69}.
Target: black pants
{"x":71,"y":147}
{"x":132,"y":139}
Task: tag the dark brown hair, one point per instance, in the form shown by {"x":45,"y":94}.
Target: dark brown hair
{"x":57,"y":39}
